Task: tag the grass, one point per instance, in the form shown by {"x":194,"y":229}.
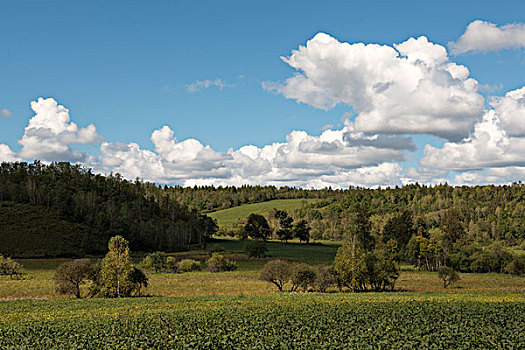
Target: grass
{"x":38,"y":282}
{"x":230,"y":216}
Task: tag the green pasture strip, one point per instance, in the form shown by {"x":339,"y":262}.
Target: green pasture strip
{"x":230,"y":216}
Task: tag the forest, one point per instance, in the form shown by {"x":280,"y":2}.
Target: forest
{"x":66,"y":210}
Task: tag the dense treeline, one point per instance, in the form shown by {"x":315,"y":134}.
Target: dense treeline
{"x":485,"y":213}
{"x":102,"y":206}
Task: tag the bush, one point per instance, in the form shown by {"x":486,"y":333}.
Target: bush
{"x":303,"y":276}
{"x":217,"y":263}
{"x":172,"y":265}
{"x":187,"y":265}
{"x":255,"y":248}
{"x":9,"y":267}
{"x":70,"y":275}
{"x":277,"y":272}
{"x":155,"y":262}
{"x":448,"y":275}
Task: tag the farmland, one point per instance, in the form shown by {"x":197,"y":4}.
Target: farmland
{"x":205,"y":310}
{"x":389,"y":320}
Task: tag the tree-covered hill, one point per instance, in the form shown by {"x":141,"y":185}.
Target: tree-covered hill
{"x":65,"y":210}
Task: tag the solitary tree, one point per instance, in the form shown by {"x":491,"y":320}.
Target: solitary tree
{"x":448,"y":275}
{"x":116,"y":269}
{"x":301,"y":230}
{"x":257,"y":227}
{"x":350,"y":263}
{"x":285,"y":225}
{"x":277,"y":272}
{"x":70,"y":276}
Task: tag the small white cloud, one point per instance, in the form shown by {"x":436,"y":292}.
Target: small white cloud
{"x":199,"y":85}
{"x":484,"y":36}
{"x":5,"y":113}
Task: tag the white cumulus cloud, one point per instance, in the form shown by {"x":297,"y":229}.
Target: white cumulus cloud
{"x":497,"y":141}
{"x":484,"y":36}
{"x":50,"y":134}
{"x":410,"y":88}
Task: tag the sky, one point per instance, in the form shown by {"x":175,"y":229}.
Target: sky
{"x":299,"y":93}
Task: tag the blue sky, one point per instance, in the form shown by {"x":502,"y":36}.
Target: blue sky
{"x":128,"y":67}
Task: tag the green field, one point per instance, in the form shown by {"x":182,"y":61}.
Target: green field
{"x":321,"y":321}
{"x":234,"y":310}
{"x":230,"y":216}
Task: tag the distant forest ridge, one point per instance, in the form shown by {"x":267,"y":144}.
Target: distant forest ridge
{"x":172,"y":218}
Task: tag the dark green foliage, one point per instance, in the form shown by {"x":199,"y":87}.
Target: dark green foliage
{"x":400,"y":227}
{"x":284,"y":231}
{"x":9,"y":267}
{"x":516,"y":266}
{"x":277,"y":272}
{"x":70,"y":276}
{"x":31,"y":231}
{"x":138,"y":280}
{"x":301,"y":231}
{"x":255,"y":248}
{"x":448,"y":275}
{"x":217,"y":263}
{"x":303,"y":275}
{"x":257,"y":227}
{"x":86,"y":209}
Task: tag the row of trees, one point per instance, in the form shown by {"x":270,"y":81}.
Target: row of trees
{"x":256,"y":226}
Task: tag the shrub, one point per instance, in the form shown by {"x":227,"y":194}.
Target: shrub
{"x":303,"y":276}
{"x":217,"y":263}
{"x":187,"y":265}
{"x":172,"y":265}
{"x":255,"y":248}
{"x":448,"y":275}
{"x":155,"y":262}
{"x":9,"y":267}
{"x":277,"y":272}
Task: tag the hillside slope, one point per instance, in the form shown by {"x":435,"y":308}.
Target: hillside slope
{"x":229,"y":217}
{"x":34,"y":231}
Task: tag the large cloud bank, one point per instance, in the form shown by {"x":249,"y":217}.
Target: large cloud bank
{"x":394,"y":91}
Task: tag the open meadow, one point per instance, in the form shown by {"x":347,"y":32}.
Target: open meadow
{"x":235,"y":309}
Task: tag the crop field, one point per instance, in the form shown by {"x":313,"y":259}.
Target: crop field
{"x":330,"y":321}
{"x":230,"y":216}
